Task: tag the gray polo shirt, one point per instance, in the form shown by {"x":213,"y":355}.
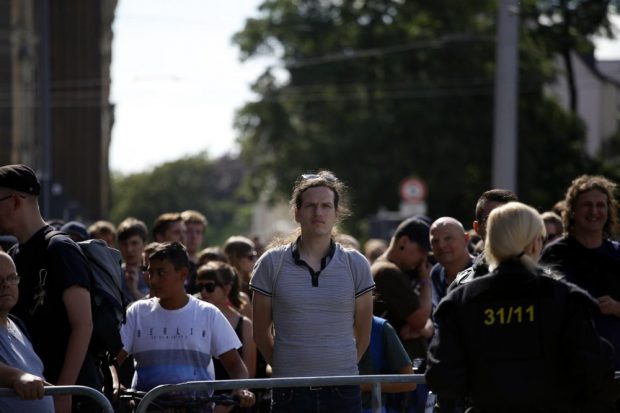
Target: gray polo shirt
{"x":313,"y":324}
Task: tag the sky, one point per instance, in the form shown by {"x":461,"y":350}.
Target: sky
{"x":177,"y":79}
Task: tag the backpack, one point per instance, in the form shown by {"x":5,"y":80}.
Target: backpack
{"x":108,"y":300}
{"x":376,"y":345}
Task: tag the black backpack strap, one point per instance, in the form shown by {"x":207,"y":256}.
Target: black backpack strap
{"x":43,"y":272}
{"x":52,"y":234}
{"x":48,"y":240}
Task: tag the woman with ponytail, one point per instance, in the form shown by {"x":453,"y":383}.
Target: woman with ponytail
{"x":518,"y":339}
{"x":218,"y":284}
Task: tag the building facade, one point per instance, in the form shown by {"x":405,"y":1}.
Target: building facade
{"x":55,"y":113}
{"x":598,"y":98}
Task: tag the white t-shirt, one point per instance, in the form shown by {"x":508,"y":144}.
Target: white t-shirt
{"x":175,"y":346}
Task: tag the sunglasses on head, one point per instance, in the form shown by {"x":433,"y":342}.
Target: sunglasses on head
{"x":209,"y":287}
{"x":327,"y":177}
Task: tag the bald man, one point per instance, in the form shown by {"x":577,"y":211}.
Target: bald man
{"x":20,"y":367}
{"x":449,"y":244}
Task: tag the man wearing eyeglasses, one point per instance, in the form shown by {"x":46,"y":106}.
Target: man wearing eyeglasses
{"x":54,"y":292}
{"x":20,"y":367}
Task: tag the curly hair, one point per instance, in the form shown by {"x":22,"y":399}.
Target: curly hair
{"x":585,"y":183}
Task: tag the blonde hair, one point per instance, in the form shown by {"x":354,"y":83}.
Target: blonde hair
{"x":510,"y":229}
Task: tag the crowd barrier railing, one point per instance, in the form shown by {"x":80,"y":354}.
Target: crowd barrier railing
{"x":375,"y":380}
{"x":70,"y":390}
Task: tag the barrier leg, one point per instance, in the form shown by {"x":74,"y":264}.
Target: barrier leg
{"x":376,"y":398}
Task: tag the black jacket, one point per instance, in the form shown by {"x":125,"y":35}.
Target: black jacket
{"x":515,"y":340}
{"x":478,"y":268}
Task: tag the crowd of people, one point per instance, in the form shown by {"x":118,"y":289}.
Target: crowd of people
{"x":519,"y":313}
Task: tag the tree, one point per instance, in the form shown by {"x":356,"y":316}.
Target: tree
{"x":210,"y":187}
{"x":566,"y":27}
{"x":379,"y":90}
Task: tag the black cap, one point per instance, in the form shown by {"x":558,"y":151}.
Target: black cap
{"x":20,"y":178}
{"x":416,"y":230}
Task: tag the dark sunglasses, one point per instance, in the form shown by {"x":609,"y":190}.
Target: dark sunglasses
{"x":208,"y":287}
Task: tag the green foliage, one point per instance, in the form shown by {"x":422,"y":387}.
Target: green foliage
{"x":566,"y":27}
{"x":611,"y":157}
{"x":568,"y":24}
{"x":210,"y":187}
{"x":378,"y":90}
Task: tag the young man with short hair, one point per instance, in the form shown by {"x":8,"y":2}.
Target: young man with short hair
{"x":403,"y":295}
{"x":169,"y":227}
{"x":172,"y":336}
{"x":104,"y":230}
{"x":196,"y":225}
{"x":132,"y":235}
{"x":488,"y":201}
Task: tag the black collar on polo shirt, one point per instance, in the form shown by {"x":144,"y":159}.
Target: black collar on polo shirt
{"x":313,"y":274}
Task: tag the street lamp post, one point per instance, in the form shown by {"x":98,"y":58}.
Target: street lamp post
{"x":506,"y":82}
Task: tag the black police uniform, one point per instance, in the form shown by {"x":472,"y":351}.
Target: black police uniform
{"x":478,"y":268}
{"x":519,"y":341}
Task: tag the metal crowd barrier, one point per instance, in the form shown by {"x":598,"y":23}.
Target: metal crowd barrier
{"x":375,"y":380}
{"x":70,"y":390}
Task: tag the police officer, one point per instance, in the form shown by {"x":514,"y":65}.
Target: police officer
{"x":518,"y":339}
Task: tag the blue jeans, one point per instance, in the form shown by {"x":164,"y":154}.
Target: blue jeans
{"x":341,"y":399}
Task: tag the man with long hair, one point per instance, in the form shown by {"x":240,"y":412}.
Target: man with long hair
{"x":317,"y":296}
{"x":587,"y":255}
